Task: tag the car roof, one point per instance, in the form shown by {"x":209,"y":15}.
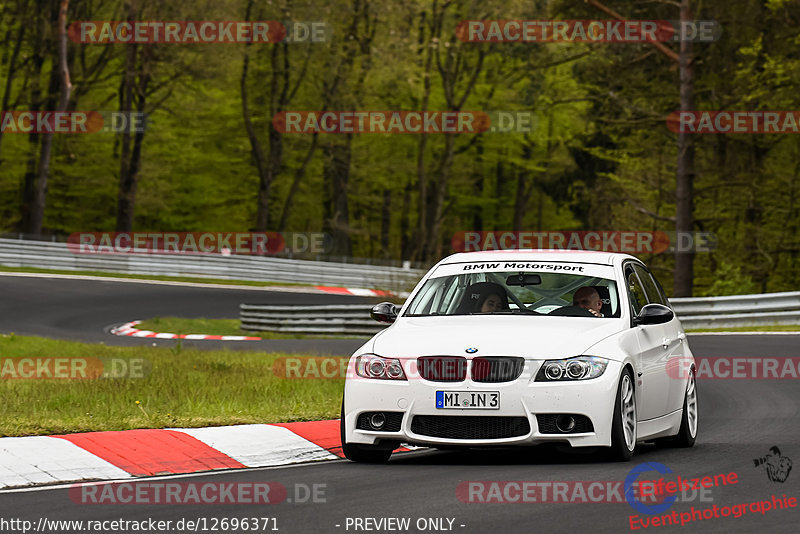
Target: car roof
{"x":543,"y":255}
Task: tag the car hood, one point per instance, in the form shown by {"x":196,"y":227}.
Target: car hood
{"x":531,"y":337}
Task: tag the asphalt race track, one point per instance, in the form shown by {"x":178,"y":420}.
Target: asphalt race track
{"x":739,"y":421}
{"x":85,"y":310}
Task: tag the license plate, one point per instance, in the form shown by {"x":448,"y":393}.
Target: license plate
{"x":468,"y":400}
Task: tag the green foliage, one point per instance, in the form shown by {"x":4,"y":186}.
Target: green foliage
{"x":729,"y":280}
{"x":238,"y":387}
{"x":600,"y":156}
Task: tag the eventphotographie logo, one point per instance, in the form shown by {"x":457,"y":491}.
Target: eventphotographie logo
{"x":775,"y":464}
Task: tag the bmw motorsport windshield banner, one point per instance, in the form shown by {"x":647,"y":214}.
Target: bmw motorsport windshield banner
{"x":565,"y":267}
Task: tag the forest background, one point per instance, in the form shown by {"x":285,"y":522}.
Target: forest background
{"x":600,"y":156}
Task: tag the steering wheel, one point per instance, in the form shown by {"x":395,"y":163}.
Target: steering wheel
{"x":571,"y":311}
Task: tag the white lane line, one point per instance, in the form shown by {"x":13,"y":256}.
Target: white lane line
{"x":215,"y":473}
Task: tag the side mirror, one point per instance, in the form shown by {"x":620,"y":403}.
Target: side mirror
{"x":385,"y":312}
{"x":653,"y":314}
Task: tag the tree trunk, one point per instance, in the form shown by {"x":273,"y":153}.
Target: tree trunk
{"x":422,"y":179}
{"x":684,"y":201}
{"x":336,"y":174}
{"x":479,"y":212}
{"x":126,"y":194}
{"x":58,"y":73}
{"x":280,"y":95}
{"x":298,"y":176}
{"x":12,"y":68}
{"x":406,"y":232}
{"x":436,"y":212}
{"x":482,"y":215}
{"x":337,"y":215}
{"x":29,"y":185}
{"x":520,"y":199}
{"x":132,"y":175}
{"x":256,"y":150}
{"x":525,"y":189}
{"x":386,"y":221}
{"x":29,"y":180}
{"x":454,"y":69}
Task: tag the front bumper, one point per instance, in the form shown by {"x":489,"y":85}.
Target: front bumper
{"x":522,"y":397}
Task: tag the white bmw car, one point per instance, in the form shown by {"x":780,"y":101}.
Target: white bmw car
{"x":524,"y":347}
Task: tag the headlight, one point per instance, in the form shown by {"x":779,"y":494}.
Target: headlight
{"x":374,"y":366}
{"x":577,"y":368}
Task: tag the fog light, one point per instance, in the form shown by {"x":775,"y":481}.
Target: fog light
{"x":565,"y":423}
{"x":377,"y":421}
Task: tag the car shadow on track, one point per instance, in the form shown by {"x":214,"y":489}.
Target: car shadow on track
{"x":545,"y":454}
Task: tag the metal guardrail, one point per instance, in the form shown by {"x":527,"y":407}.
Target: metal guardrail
{"x":739,"y":310}
{"x":353,"y":319}
{"x":47,"y":255}
{"x":706,"y":312}
{"x":346,"y":319}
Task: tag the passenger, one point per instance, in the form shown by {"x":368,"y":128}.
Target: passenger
{"x":589,"y":299}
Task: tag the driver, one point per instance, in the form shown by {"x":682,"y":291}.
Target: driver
{"x":589,"y":299}
{"x":492,"y":303}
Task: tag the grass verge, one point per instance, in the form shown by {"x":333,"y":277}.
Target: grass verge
{"x":773,"y":328}
{"x":181,"y":388}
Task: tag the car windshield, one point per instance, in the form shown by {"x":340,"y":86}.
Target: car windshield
{"x":512,"y":293}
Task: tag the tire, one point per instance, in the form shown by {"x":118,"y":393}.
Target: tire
{"x":362,"y":453}
{"x":687,"y":434}
{"x":623,"y":425}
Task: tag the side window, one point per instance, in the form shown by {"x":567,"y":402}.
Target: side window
{"x":654,"y":295}
{"x":635,"y":290}
{"x":449,"y":297}
{"x":661,"y":291}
